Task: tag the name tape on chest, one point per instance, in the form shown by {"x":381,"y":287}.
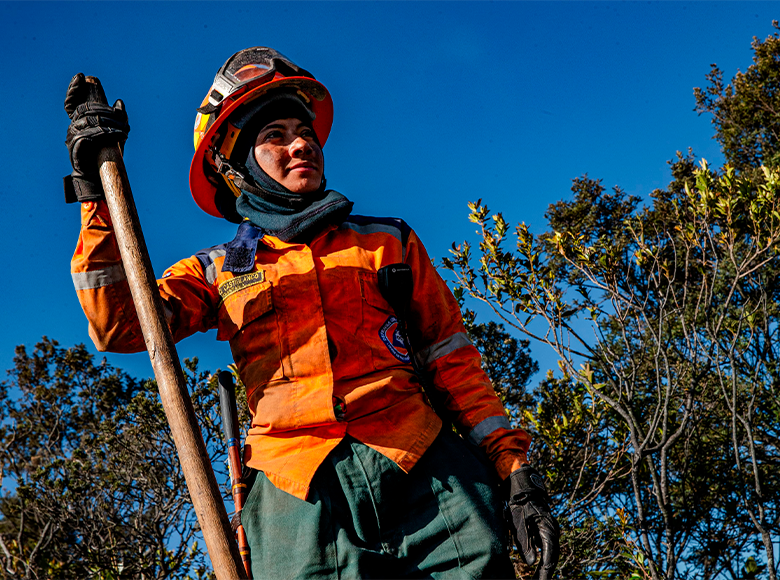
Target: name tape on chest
{"x":233,"y":285}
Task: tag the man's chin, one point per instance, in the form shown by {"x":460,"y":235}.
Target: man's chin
{"x":305,"y":187}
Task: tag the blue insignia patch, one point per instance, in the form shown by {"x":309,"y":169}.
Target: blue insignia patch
{"x":391,"y":336}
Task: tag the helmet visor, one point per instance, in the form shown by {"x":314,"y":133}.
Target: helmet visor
{"x":250,"y":72}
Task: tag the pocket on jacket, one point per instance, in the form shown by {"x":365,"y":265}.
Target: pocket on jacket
{"x":242,"y":308}
{"x":250,"y":322}
{"x":379,"y":326}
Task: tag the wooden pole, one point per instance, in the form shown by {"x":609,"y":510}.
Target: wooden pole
{"x":195,"y":463}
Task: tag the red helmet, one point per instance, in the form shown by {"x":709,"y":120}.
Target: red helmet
{"x":247,"y":75}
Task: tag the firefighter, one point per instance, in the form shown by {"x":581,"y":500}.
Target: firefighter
{"x":352,"y":474}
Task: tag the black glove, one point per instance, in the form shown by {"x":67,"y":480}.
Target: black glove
{"x":533,"y":526}
{"x":93,"y":126}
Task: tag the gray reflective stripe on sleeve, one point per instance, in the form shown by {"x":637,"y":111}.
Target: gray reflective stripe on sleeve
{"x":376,"y":229}
{"x":486,"y":427}
{"x":211,"y":270}
{"x":98,"y":278}
{"x":440,"y":349}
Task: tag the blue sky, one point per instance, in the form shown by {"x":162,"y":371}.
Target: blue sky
{"x":436,"y":104}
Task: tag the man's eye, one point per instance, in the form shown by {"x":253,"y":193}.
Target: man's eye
{"x":272,"y":135}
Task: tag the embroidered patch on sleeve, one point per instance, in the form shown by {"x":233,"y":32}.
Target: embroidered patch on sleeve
{"x":393,"y":340}
{"x":233,"y":285}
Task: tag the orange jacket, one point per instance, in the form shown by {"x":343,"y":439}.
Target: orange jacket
{"x":308,"y":326}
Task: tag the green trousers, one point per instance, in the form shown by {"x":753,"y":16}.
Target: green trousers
{"x":366,"y":518}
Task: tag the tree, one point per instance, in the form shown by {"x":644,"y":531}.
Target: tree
{"x":664,"y":427}
{"x":746,"y":112}
{"x":99,"y":490}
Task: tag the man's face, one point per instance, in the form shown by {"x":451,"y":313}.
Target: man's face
{"x":287,"y":150}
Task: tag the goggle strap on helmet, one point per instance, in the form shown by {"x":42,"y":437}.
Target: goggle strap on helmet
{"x":209,"y":108}
{"x":221,"y":88}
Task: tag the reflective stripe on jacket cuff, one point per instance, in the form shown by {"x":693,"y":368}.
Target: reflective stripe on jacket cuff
{"x":440,"y":349}
{"x":98,"y":278}
{"x":486,"y":427}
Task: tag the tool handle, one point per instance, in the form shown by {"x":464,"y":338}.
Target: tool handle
{"x":229,"y":411}
{"x":227,"y":405}
{"x":194,"y":459}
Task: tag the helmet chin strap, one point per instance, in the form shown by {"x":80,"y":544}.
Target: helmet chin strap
{"x":289,"y":200}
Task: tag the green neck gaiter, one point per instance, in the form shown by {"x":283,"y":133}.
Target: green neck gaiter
{"x":286,"y":215}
